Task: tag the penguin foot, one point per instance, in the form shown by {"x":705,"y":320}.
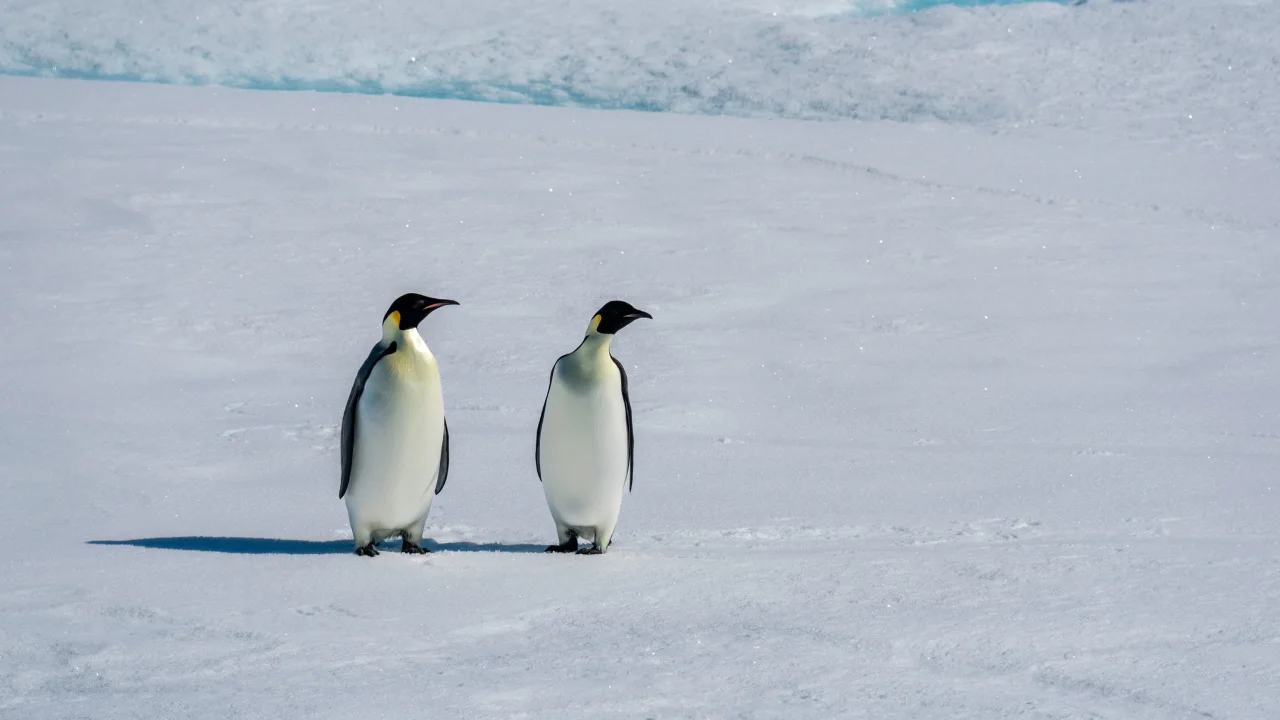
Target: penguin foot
{"x":367,"y":550}
{"x":412,"y":549}
{"x":593,"y":550}
{"x":568,"y":547}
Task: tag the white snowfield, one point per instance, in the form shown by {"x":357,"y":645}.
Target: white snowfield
{"x":955,"y":421}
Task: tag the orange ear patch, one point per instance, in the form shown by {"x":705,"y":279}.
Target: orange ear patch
{"x":395,"y":317}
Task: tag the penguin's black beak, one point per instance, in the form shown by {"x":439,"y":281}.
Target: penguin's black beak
{"x":435,"y":303}
{"x":637,"y":315}
{"x":418,"y":314}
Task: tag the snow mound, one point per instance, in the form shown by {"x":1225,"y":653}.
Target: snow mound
{"x":1195,"y":67}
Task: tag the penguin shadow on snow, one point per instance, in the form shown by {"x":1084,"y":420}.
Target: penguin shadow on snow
{"x":278,"y":546}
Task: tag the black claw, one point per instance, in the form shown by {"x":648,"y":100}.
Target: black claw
{"x":412,"y":549}
{"x":367,"y":550}
{"x":571,"y":545}
{"x":593,"y":550}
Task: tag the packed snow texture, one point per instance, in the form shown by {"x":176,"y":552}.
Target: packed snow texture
{"x":931,"y":422}
{"x":934,"y":420}
{"x":1199,"y":70}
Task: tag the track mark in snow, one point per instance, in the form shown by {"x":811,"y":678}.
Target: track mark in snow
{"x":495,"y":627}
{"x":1204,"y":217}
{"x":1096,"y":452}
{"x":985,"y":530}
{"x":331,"y":609}
{"x":483,"y":407}
{"x":1100,"y":689}
{"x":323,"y":436}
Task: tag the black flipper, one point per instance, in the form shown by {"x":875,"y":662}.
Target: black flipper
{"x":349,"y":415}
{"x":537,"y":447}
{"x":443,"y":474}
{"x":631,"y":437}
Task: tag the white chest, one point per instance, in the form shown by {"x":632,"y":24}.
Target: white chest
{"x":582,"y":450}
{"x":399,"y":436}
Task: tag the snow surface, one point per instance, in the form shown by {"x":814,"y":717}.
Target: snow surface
{"x":935,"y":420}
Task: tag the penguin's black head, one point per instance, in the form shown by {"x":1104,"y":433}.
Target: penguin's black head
{"x":410,"y":309}
{"x":616,"y":315}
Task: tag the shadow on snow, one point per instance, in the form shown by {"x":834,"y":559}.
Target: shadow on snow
{"x":277,"y":546}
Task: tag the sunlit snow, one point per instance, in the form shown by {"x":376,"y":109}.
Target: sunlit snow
{"x":961,"y":403}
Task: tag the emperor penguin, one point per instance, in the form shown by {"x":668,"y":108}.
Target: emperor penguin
{"x":395,"y":442}
{"x":585,"y":439}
